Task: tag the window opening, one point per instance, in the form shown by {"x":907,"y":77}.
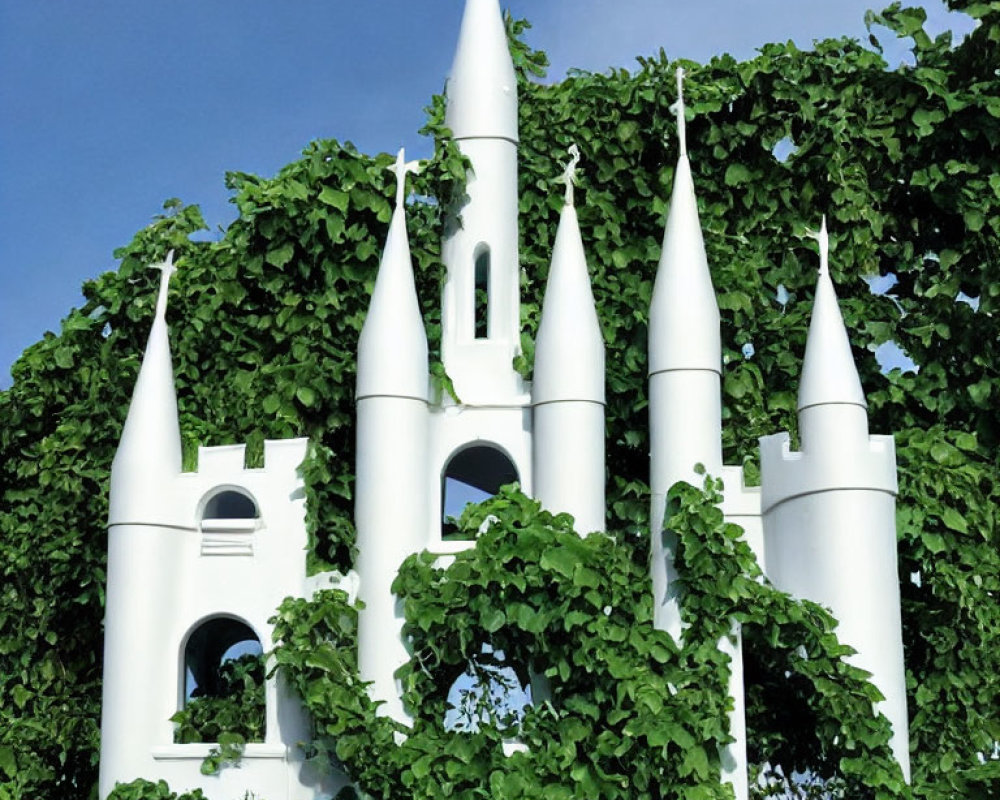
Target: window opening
{"x":230,"y":504}
{"x":471,"y":476}
{"x":489,"y":692}
{"x":223,"y":684}
{"x":482,"y":293}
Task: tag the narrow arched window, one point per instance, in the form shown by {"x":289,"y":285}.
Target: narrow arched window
{"x":481,"y":304}
{"x":223,"y":688}
{"x":472,"y":475}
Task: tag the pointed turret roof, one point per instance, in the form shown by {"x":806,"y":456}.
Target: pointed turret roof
{"x":151,"y":437}
{"x":482,"y":87}
{"x":684,"y":314}
{"x":392,"y":348}
{"x":829,"y":374}
{"x":149,"y":451}
{"x":569,"y":347}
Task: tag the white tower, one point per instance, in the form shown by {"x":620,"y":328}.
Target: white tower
{"x":480,"y":320}
{"x":391,"y":489}
{"x":197,"y":562}
{"x":685,"y":412}
{"x":483,"y":439}
{"x":144,"y":470}
{"x":829,"y":509}
{"x":568,"y":387}
{"x":685,"y":364}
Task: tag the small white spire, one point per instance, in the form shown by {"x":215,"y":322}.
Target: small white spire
{"x":167,"y":269}
{"x":569,"y":346}
{"x":569,"y":174}
{"x":392,"y":347}
{"x":678,"y":109}
{"x":684,"y":314}
{"x":829,"y":375}
{"x":401,"y":167}
{"x":149,"y":450}
{"x":823,"y":238}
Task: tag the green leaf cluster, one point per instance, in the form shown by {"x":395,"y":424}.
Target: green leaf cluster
{"x":235,"y":709}
{"x":147,"y":790}
{"x":265,"y":318}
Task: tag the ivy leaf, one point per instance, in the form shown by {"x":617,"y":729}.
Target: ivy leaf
{"x":737,"y":174}
{"x":559,"y":559}
{"x":954,"y":520}
{"x":7,"y":762}
{"x":280,"y":256}
{"x":335,"y":198}
{"x":493,"y":619}
{"x":306,"y":396}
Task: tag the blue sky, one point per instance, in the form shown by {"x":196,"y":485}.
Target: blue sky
{"x":109,"y":107}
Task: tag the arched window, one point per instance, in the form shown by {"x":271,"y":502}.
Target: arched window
{"x":228,"y":520}
{"x":472,"y":475}
{"x":230,"y":504}
{"x":481,"y":303}
{"x":223,"y":688}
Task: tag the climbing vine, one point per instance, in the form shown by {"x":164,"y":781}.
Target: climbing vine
{"x":629,"y":714}
{"x":264,"y":327}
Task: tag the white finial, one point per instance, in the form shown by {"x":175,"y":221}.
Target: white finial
{"x":678,"y":108}
{"x":569,"y":174}
{"x":823,"y":238}
{"x":401,"y":167}
{"x":167,"y":268}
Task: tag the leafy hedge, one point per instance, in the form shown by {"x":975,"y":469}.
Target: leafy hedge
{"x":265,"y":321}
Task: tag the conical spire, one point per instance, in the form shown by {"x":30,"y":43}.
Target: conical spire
{"x":151,"y":436}
{"x":684,"y":315}
{"x":392,"y":349}
{"x":829,"y":375}
{"x":569,"y":348}
{"x":149,"y":451}
{"x":482,"y":88}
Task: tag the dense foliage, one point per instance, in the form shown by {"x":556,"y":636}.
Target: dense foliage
{"x":626,"y":713}
{"x":265,"y":320}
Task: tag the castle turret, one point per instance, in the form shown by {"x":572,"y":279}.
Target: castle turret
{"x":481,"y":432}
{"x":480,"y":311}
{"x":391,"y":489}
{"x":568,"y":386}
{"x":685,"y":363}
{"x":829,"y":509}
{"x":831,"y":404}
{"x":197,"y":562}
{"x":140,"y":564}
{"x":685,"y":414}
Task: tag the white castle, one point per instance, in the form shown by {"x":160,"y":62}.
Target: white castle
{"x":199,"y":561}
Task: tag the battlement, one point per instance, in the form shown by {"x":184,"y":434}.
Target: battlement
{"x":787,"y":473}
{"x":280,"y":455}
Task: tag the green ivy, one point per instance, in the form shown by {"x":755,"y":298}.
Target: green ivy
{"x":147,"y":790}
{"x":236,"y":707}
{"x":629,"y":713}
{"x":264,"y":327}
